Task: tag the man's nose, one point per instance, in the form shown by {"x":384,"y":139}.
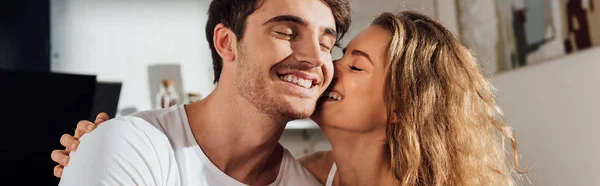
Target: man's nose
{"x":308,"y":51}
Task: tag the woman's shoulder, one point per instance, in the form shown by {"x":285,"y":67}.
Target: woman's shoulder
{"x":318,"y":163}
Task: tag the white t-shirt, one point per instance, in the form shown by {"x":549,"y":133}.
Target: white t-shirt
{"x":156,"y":148}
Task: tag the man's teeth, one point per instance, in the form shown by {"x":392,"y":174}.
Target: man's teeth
{"x":333,"y":96}
{"x":306,"y":83}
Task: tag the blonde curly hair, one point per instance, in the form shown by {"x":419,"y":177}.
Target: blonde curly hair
{"x":445,"y":127}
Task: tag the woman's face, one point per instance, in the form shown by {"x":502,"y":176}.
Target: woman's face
{"x":355,"y":98}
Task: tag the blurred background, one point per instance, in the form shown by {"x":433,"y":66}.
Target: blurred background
{"x":62,"y":61}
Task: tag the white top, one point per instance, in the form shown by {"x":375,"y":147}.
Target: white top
{"x":156,"y":148}
{"x":331,"y":175}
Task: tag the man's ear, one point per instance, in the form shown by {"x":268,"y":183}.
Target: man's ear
{"x":224,"y":41}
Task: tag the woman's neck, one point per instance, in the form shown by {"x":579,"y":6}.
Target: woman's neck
{"x":361,"y":158}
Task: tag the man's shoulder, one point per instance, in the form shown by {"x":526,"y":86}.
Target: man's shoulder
{"x":147,"y":124}
{"x":159,"y":115}
{"x":122,"y":151}
{"x":130,"y":128}
{"x":125,"y":133}
{"x":157,"y":129}
{"x":167,"y":120}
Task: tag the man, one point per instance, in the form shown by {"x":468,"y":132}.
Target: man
{"x":272,"y":61}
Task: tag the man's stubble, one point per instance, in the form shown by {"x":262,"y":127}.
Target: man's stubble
{"x":253,"y":86}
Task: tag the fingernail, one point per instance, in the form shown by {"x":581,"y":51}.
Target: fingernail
{"x":98,"y":120}
{"x":90,"y":127}
{"x":73,"y":146}
{"x":59,"y":173}
{"x":64,"y":160}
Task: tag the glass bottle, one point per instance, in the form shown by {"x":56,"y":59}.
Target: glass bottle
{"x":167,"y":95}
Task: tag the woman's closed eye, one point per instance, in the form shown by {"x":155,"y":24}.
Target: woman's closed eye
{"x":354,"y":68}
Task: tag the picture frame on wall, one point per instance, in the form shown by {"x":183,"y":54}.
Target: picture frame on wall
{"x":509,"y":34}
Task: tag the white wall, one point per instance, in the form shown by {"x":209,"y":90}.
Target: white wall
{"x":553,"y":107}
{"x":118,"y":39}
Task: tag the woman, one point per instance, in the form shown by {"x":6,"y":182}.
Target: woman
{"x":408,"y":106}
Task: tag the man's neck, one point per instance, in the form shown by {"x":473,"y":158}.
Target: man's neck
{"x":360,"y":158}
{"x":238,"y":138}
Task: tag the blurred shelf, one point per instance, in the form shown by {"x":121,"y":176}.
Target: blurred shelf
{"x":301,"y":124}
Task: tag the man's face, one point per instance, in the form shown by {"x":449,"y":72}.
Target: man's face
{"x":284,"y":59}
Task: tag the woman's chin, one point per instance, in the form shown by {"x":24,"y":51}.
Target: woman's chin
{"x":317,"y":117}
{"x":323,"y":119}
{"x":328,"y":114}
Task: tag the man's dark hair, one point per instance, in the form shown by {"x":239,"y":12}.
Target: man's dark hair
{"x":234,"y":13}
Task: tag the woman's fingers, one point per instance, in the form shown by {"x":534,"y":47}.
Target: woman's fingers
{"x":60,"y":156}
{"x":58,"y":169}
{"x":83,"y":127}
{"x":69,"y":142}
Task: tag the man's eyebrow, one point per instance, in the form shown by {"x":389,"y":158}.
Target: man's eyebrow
{"x":287,"y":18}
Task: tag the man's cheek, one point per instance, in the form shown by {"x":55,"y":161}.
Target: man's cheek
{"x":330,"y":73}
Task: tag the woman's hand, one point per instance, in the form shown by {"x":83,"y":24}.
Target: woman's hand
{"x":71,"y":142}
